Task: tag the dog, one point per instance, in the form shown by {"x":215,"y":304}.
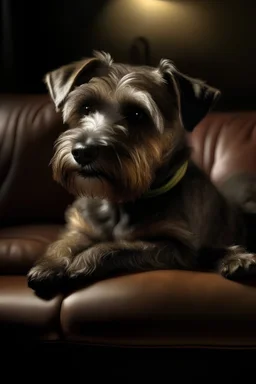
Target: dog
{"x":140,"y":202}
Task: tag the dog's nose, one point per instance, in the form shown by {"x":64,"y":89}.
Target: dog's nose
{"x":86,"y":154}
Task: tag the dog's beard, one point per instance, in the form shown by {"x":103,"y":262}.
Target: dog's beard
{"x":139,"y":167}
{"x":91,"y":181}
{"x":92,"y":187}
{"x":123,"y":176}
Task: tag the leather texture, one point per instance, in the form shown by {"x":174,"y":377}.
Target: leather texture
{"x":224,"y":144}
{"x":21,"y":246}
{"x":29,"y":126}
{"x":163,"y":308}
{"x":23,"y":315}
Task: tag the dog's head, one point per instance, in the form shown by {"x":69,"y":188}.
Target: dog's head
{"x":124,"y":123}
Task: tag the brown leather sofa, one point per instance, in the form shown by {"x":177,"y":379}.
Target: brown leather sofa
{"x":158,"y":310}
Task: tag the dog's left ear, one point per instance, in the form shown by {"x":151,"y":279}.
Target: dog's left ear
{"x":61,"y":81}
{"x":195,"y":97}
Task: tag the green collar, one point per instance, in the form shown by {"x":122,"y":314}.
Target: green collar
{"x":170,"y":184}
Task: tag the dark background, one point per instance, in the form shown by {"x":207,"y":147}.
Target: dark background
{"x":213,"y":40}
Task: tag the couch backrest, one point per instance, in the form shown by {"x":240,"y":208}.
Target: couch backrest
{"x":29,"y":126}
{"x":223,"y":143}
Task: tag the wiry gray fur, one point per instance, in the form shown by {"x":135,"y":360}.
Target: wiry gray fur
{"x":132,"y":121}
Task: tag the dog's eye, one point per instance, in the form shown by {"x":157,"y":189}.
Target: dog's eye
{"x":87,"y":109}
{"x":135,"y":115}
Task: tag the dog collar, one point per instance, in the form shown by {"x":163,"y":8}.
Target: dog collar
{"x":170,"y":184}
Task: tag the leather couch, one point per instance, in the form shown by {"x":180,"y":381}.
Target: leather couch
{"x":157,"y":310}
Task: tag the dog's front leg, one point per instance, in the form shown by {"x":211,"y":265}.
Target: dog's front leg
{"x":111,"y":259}
{"x":49,"y":272}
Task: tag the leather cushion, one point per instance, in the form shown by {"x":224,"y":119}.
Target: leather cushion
{"x":163,"y":308}
{"x":21,"y":246}
{"x":25,"y":316}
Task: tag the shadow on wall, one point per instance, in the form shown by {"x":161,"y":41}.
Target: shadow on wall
{"x":140,"y":51}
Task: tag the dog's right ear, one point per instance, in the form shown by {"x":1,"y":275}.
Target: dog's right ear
{"x":60,"y":82}
{"x":195,"y":97}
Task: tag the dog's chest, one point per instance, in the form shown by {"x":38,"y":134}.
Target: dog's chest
{"x":110,"y":221}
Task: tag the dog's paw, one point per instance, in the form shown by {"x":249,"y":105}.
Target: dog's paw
{"x":45,"y":277}
{"x":238,"y":264}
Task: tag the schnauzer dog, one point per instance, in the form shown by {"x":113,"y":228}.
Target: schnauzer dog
{"x":141,"y":204}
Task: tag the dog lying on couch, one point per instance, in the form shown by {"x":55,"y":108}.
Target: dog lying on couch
{"x":140,"y":204}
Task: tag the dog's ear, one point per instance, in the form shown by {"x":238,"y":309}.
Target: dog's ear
{"x":195,"y":97}
{"x":60,"y":82}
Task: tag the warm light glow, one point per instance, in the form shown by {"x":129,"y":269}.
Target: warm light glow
{"x":165,"y":23}
{"x":146,"y":13}
{"x":155,"y":6}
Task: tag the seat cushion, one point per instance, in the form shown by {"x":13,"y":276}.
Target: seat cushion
{"x":23,"y":315}
{"x":163,"y":308}
{"x":21,"y":246}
